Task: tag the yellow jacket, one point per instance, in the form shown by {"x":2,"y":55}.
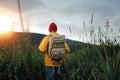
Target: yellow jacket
{"x":43,"y":47}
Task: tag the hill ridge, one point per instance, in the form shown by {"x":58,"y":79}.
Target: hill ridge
{"x":35,"y":39}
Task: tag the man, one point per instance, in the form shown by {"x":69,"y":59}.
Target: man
{"x":53,"y":71}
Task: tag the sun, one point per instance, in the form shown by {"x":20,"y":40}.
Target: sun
{"x":5,"y":24}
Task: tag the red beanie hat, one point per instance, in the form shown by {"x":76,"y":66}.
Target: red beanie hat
{"x":52,"y":27}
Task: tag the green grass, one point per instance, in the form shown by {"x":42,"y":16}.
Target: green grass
{"x":21,"y":61}
{"x":95,"y":62}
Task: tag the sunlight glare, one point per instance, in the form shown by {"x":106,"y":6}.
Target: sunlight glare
{"x":5,"y":24}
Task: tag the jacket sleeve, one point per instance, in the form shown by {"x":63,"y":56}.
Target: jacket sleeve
{"x":43,"y":45}
{"x":67,"y":50}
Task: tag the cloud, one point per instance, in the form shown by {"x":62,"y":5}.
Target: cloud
{"x":66,"y":13}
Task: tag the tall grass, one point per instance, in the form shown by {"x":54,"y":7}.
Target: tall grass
{"x":83,"y":65}
{"x":99,"y":61}
{"x":21,"y":61}
{"x":94,"y":63}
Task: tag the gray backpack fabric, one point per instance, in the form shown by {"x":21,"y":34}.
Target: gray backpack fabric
{"x":56,"y":47}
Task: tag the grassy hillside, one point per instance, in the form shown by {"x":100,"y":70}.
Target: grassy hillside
{"x":20,"y":59}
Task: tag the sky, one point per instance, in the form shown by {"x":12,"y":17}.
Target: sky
{"x":67,"y":14}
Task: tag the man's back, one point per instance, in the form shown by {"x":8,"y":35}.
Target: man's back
{"x":44,"y":48}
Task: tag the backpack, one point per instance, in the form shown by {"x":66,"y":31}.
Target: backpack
{"x":56,"y":48}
